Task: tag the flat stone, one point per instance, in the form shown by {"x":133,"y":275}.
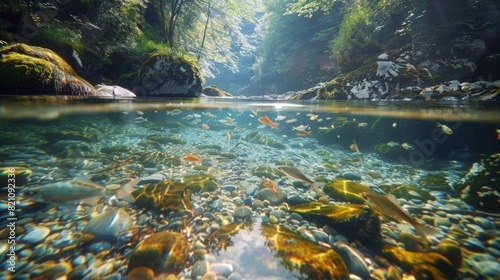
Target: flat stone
{"x":36,"y":235}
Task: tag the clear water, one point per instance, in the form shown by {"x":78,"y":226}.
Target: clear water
{"x":430,"y":157}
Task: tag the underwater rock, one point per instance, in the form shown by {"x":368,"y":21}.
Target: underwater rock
{"x":152,"y":159}
{"x":346,"y":190}
{"x":426,"y":265}
{"x":356,"y":222}
{"x":166,"y":76}
{"x":257,"y":137}
{"x":313,"y":261}
{"x":108,"y":225}
{"x":479,"y":187}
{"x":71,"y":149}
{"x":392,"y":151}
{"x":54,"y":136}
{"x":201,"y":182}
{"x":164,"y":197}
{"x":29,"y":70}
{"x":267,"y":172}
{"x":162,"y":252}
{"x":409,"y":192}
{"x":214,"y":91}
{"x":273,"y":198}
{"x":113,"y":91}
{"x":165,"y":139}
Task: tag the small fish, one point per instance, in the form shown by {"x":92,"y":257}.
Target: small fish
{"x":280,"y":117}
{"x":291,"y":120}
{"x":255,"y":113}
{"x":204,"y":126}
{"x":191,"y":158}
{"x":79,"y":189}
{"x":311,"y":116}
{"x":353,"y":147}
{"x":300,"y":127}
{"x":362,"y":125}
{"x":141,"y":113}
{"x":174,"y":112}
{"x":229,"y":135}
{"x":188,"y":117}
{"x":139,"y":119}
{"x":197,"y":116}
{"x":303,"y":133}
{"x":388,"y":205}
{"x":298,"y":175}
{"x":212,"y":116}
{"x":407,"y":146}
{"x":394,"y":125}
{"x":125,"y":112}
{"x":445,"y":129}
{"x":266,"y":183}
{"x":265,"y":120}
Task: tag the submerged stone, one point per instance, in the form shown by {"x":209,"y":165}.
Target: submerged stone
{"x":428,"y":265}
{"x":356,"y":222}
{"x":409,"y":192}
{"x":152,"y":159}
{"x":346,"y":190}
{"x":479,"y":187}
{"x":165,"y":139}
{"x":267,"y":172}
{"x":201,"y":182}
{"x":162,"y":252}
{"x":257,"y":137}
{"x":164,"y":197}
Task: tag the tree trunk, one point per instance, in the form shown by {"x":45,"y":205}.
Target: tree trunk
{"x":175,"y":10}
{"x":204,"y":31}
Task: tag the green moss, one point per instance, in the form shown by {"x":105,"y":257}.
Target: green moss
{"x":34,"y":70}
{"x":352,"y":30}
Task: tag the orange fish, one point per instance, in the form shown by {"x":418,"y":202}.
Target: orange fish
{"x":204,"y":126}
{"x":191,"y":158}
{"x":229,"y":137}
{"x":266,"y":183}
{"x":267,"y":121}
{"x":303,"y":133}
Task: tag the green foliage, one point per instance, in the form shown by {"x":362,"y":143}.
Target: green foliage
{"x":57,"y":36}
{"x":353,"y":30}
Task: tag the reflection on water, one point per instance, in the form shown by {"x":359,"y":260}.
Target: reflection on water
{"x":99,"y":183}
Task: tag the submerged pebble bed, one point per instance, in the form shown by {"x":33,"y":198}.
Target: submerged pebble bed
{"x":229,"y":225}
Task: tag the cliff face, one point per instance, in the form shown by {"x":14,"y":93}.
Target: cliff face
{"x":415,"y":50}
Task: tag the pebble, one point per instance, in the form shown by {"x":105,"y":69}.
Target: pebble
{"x":242,"y":213}
{"x":36,"y":235}
{"x":199,"y":268}
{"x":222,"y":269}
{"x":257,"y":203}
{"x":228,"y":188}
{"x":350,"y":176}
{"x":488,"y":269}
{"x":252,"y":190}
{"x":473,"y":244}
{"x":280,"y":214}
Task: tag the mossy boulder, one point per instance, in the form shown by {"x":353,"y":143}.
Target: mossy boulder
{"x":257,"y":137}
{"x":164,"y":75}
{"x":30,"y":70}
{"x":214,"y":91}
{"x":479,"y":187}
{"x":356,"y":222}
{"x":162,"y":252}
{"x":346,"y":191}
{"x":164,"y":197}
